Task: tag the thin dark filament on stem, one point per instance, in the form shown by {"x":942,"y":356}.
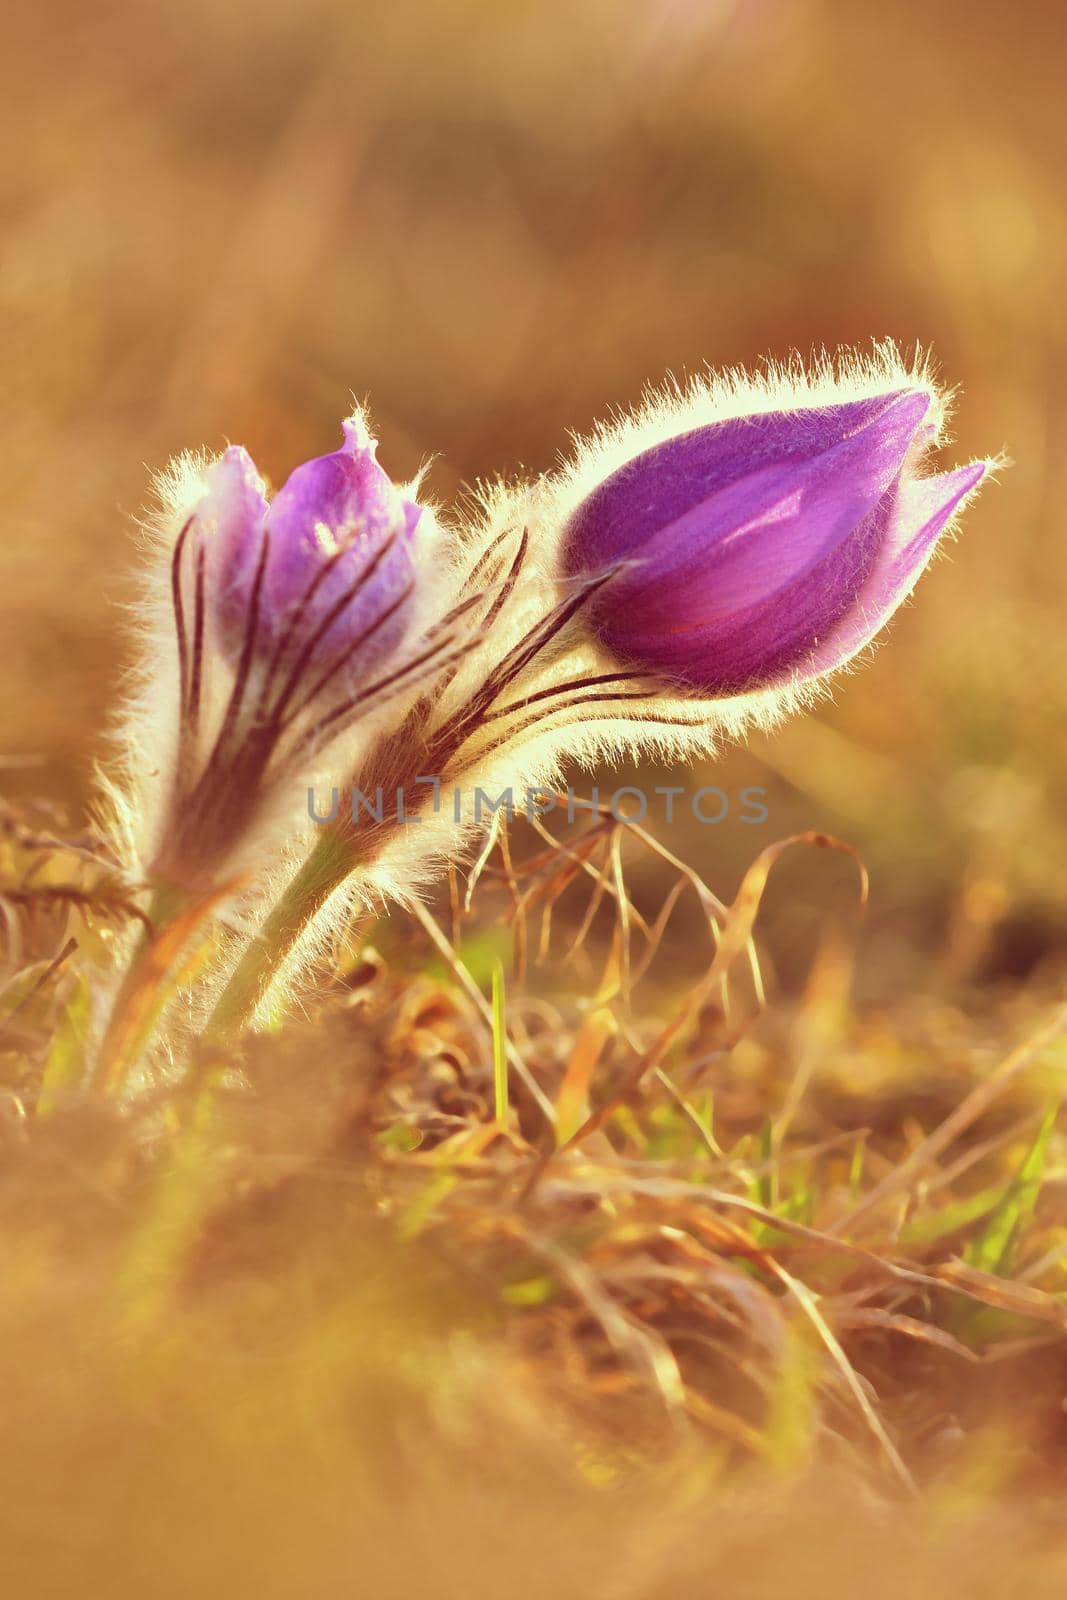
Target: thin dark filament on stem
{"x":196,"y":674}
{"x":585,"y":700}
{"x":315,"y":734}
{"x":507,"y":587}
{"x":462,"y":608}
{"x":459,"y":611}
{"x":503,"y":595}
{"x":573,"y":684}
{"x":179,"y":615}
{"x":189,"y":663}
{"x":459,"y":727}
{"x":487,"y":555}
{"x":535,"y":641}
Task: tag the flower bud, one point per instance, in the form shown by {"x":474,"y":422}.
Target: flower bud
{"x":764,"y":549}
{"x":323,"y":573}
{"x":296,"y":619}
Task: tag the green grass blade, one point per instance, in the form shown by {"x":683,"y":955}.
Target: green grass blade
{"x":64,"y":1066}
{"x":994,"y":1248}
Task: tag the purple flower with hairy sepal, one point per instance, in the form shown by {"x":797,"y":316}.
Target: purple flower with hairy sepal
{"x":311,"y":601}
{"x":764,"y":549}
{"x":334,"y":546}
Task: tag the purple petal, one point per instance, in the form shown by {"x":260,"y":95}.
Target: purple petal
{"x":736,"y":591}
{"x":340,"y":505}
{"x":761,"y":534}
{"x":663,"y":485}
{"x":922,"y":510}
{"x":230,"y":520}
{"x":762,"y":643}
{"x":339,"y":563}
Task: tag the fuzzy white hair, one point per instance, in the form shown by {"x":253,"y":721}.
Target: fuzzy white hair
{"x":672,"y":725}
{"x":508,"y":545}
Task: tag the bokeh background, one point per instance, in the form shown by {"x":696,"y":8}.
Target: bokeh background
{"x":497,"y":219}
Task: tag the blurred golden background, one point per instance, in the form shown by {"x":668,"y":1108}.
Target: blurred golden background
{"x":230,"y":1355}
{"x":499,"y":220}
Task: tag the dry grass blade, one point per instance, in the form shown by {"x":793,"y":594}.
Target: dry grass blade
{"x":808,"y":1302}
{"x":471,"y":989}
{"x":1015,"y":1297}
{"x":43,"y":979}
{"x":648,"y":1354}
{"x":735,"y":938}
{"x":898,"y":1322}
{"x":572,"y":1101}
{"x":108,"y":901}
{"x":963,"y":1117}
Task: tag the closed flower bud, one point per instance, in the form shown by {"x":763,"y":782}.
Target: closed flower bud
{"x":765,"y":549}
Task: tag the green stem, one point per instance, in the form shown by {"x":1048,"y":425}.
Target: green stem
{"x":342,"y":847}
{"x":328,"y":865}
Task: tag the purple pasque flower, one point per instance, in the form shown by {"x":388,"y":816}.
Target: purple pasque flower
{"x":765,"y":549}
{"x":309,"y":602}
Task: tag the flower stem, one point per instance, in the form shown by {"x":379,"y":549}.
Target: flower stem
{"x":342,"y":848}
{"x":329,"y":863}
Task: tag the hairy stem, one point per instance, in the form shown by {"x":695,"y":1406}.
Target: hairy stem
{"x":412,"y":750}
{"x":342,"y":847}
{"x":328,"y":865}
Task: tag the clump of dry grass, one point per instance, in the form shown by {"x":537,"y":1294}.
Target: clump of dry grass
{"x":451,"y":1285}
